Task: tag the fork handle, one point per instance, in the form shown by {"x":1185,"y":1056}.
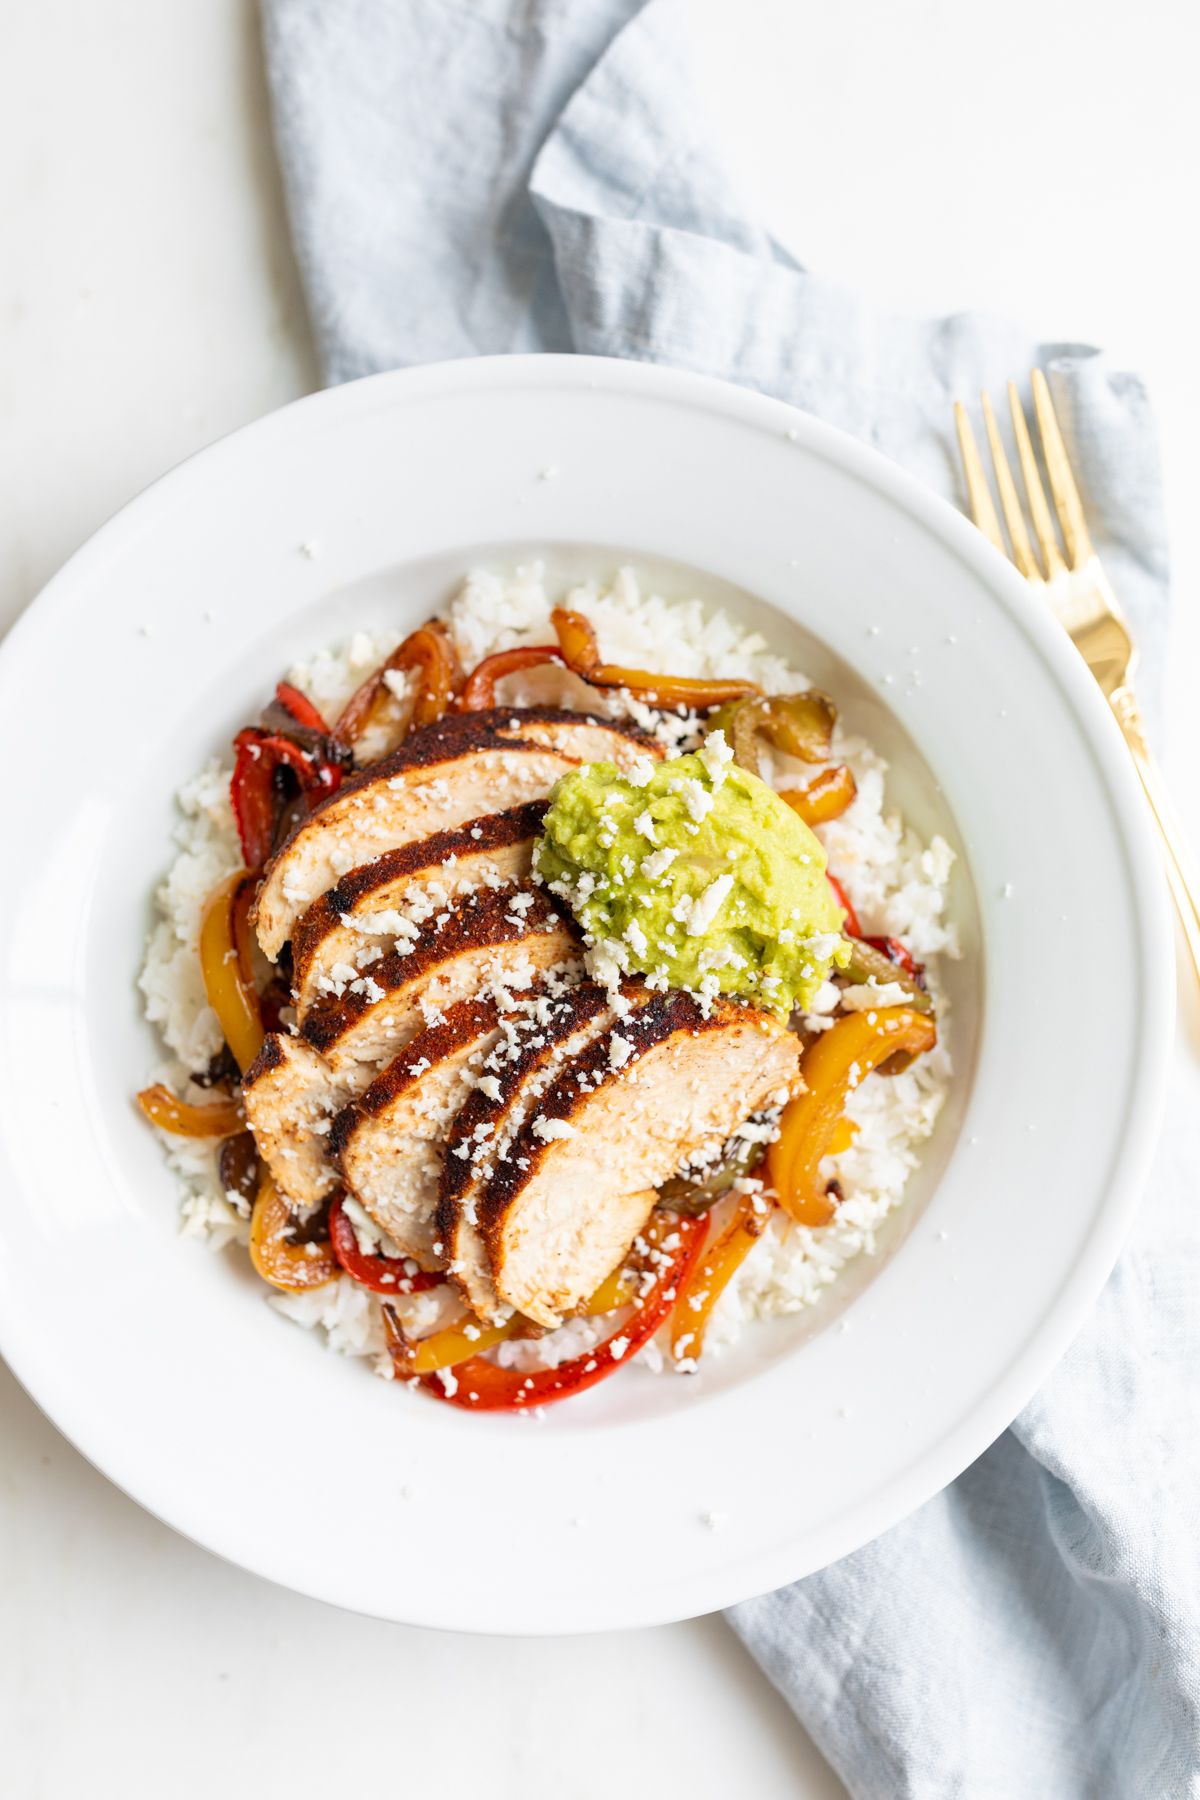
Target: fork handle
{"x":1181,"y":869}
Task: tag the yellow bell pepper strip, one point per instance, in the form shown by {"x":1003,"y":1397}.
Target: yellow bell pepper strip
{"x":455,"y":1344}
{"x":581,"y":653}
{"x":481,"y":1386}
{"x":825,"y":797}
{"x":275,"y":1256}
{"x":220,"y":1119}
{"x":615,"y":1290}
{"x":833,"y":1065}
{"x":231,"y":997}
{"x":429,"y":652}
{"x":714,"y":1272}
{"x":844,"y":1134}
{"x":798,"y":724}
{"x":468,"y":1337}
{"x":243,"y":931}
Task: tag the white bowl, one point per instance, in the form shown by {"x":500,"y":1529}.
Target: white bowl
{"x":162,"y":1363}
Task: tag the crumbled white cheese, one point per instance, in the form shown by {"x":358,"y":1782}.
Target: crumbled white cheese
{"x":716,"y":756}
{"x":698,"y":800}
{"x":873,"y":993}
{"x":707,"y":905}
{"x":636,"y":938}
{"x":658,"y":863}
{"x":549,"y":1129}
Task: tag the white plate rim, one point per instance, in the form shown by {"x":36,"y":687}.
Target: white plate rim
{"x":1082,"y":1285}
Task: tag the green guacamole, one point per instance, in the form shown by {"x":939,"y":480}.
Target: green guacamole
{"x":694,"y":874}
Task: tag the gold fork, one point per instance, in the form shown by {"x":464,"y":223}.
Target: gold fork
{"x":1080,"y":596}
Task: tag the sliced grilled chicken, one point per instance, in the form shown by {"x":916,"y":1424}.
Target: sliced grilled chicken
{"x":503,"y":937}
{"x":527,"y":1059}
{"x":442,"y":775}
{"x":388,"y":901}
{"x":291,"y":1097}
{"x":569,"y":1196}
{"x":389,"y":1142}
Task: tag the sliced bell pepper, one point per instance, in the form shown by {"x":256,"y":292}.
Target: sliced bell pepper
{"x":581,"y":653}
{"x":853,"y":928}
{"x":300,"y":707}
{"x":218,"y":1118}
{"x":880,"y":959}
{"x":257,"y":802}
{"x":479,"y":690}
{"x":825,"y":797}
{"x":457,"y":1343}
{"x":897,"y":953}
{"x":886,"y":961}
{"x":833,"y":1065}
{"x":844,"y":1134}
{"x":276,"y":1258}
{"x":470,"y":1337}
{"x":798,"y":724}
{"x":231,"y":997}
{"x":243,"y":931}
{"x":429,"y":651}
{"x":239,"y":1167}
{"x":481,"y":1386}
{"x":713,"y":1273}
{"x":382,"y":1274}
{"x":615,"y":1290}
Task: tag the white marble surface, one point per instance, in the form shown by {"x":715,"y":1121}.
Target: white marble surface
{"x":149,"y":304}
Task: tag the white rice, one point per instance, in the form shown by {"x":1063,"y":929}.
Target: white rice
{"x":896,"y":883}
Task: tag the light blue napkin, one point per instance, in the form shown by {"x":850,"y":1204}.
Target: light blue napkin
{"x":470,"y":176}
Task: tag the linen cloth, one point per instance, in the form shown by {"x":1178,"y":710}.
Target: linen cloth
{"x":482,"y":176}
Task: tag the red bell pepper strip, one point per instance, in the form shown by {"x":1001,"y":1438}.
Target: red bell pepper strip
{"x":482,"y":1386}
{"x":255,"y":800}
{"x":853,"y":928}
{"x":899,"y":953}
{"x":892,"y":947}
{"x":382,"y":1274}
{"x":300,"y":707}
{"x":480,"y":689}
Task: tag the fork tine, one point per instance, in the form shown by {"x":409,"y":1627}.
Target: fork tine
{"x":1014,"y":518}
{"x":1039,"y":511}
{"x":1067,"y":503}
{"x":978,"y":493}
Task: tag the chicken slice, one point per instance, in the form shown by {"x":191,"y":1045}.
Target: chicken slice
{"x":502,"y":941}
{"x":490,"y":941}
{"x":389,"y":1142}
{"x":528,"y":1057}
{"x":569,"y":1196}
{"x":442,"y":775}
{"x":291,"y":1097}
{"x":385,"y":902}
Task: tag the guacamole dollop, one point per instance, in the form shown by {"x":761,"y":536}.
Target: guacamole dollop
{"x":694,"y":874}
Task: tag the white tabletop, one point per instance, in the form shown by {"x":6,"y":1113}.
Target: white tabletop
{"x":1036,"y":161}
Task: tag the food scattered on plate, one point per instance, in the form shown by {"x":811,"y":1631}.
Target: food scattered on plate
{"x":550,"y":990}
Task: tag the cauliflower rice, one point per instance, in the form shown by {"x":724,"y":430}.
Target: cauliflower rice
{"x":896,"y":883}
